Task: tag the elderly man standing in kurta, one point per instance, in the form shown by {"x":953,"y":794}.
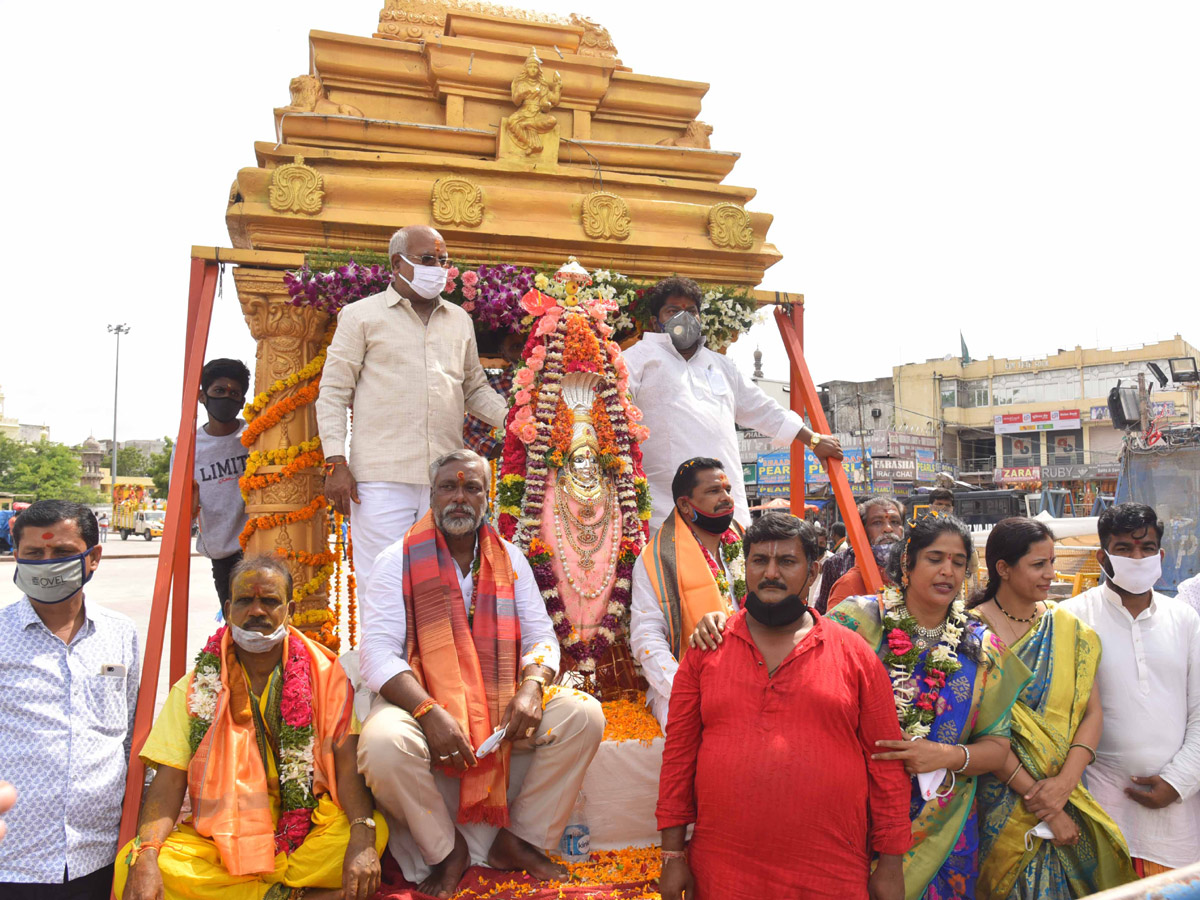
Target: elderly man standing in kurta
{"x":406,"y":362}
{"x":460,"y":649}
{"x":693,"y":398}
{"x":261,"y":734}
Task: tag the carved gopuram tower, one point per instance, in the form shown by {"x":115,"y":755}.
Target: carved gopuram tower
{"x":520,"y":136}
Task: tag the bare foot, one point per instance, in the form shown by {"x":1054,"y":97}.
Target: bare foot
{"x":443,"y":880}
{"x":510,"y":852}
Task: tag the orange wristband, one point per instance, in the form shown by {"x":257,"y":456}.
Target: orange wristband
{"x":424,"y":707}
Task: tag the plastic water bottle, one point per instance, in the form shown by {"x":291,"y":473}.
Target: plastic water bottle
{"x":576,"y":843}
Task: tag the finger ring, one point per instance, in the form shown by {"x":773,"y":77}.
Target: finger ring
{"x":455,"y":753}
{"x":529,"y":731}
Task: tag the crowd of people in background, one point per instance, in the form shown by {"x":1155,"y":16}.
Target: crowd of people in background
{"x":954,"y":735}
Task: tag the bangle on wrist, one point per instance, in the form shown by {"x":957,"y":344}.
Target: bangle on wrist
{"x":966,"y":759}
{"x":673,"y":854}
{"x":1085,"y":747}
{"x":330,"y":466}
{"x":1017,"y":768}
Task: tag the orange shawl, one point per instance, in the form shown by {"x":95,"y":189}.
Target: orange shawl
{"x":227,"y":778}
{"x":682,"y":581}
{"x":470,"y":670}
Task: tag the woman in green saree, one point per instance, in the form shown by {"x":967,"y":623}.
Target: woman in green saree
{"x":1056,"y":723}
{"x":954,"y":689}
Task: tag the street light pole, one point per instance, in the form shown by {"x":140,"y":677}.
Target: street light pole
{"x":118,"y":330}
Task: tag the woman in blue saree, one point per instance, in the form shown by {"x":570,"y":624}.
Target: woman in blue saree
{"x":954,"y":691}
{"x":1057,"y":722}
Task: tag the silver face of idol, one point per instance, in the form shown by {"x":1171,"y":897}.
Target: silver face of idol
{"x":585,"y":468}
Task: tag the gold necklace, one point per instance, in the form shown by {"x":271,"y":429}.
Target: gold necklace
{"x":587,"y":534}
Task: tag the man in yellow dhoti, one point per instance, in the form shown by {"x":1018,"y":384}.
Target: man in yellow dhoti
{"x":262,"y":735}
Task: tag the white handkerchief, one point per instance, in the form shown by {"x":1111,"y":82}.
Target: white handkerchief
{"x":929,"y":782}
{"x":490,"y":743}
{"x":1042,"y":830}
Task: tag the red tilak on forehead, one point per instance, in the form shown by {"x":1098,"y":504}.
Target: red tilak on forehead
{"x":47,"y":535}
{"x":461,"y":476}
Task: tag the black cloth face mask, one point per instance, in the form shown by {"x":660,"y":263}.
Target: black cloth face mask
{"x":223,"y":409}
{"x":712,"y":524}
{"x":786,"y":612}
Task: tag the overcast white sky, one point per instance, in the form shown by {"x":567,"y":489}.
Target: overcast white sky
{"x":1027,"y":172}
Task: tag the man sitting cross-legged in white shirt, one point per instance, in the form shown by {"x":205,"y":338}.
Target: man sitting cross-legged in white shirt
{"x":1147,"y":768}
{"x":459,"y":644}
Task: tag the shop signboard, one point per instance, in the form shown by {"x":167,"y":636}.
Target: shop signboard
{"x":895,"y":469}
{"x":852,"y":464}
{"x":926,"y":466}
{"x":1017,"y":474}
{"x":774,"y":468}
{"x":1054,"y":420}
{"x":1096,"y":472}
{"x":751,"y":443}
{"x":1164,"y":408}
{"x":749,"y":473}
{"x":771,"y":491}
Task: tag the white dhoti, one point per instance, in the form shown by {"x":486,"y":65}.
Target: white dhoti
{"x":385,"y":511}
{"x":544,"y":780}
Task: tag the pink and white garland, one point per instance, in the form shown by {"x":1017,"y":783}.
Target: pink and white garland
{"x":527,"y":443}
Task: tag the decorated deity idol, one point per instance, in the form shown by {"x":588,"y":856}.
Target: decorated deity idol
{"x":571,"y":491}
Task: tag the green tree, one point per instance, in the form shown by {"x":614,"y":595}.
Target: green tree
{"x":132,"y":463}
{"x":11,"y":454}
{"x":50,"y":472}
{"x":159,"y":468}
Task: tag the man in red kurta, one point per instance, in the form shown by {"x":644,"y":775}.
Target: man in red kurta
{"x":769,"y":745}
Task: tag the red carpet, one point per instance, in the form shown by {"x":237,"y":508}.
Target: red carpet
{"x":481,"y":883}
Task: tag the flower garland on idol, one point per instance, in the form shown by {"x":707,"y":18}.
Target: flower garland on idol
{"x":916,"y":703}
{"x":296,"y":734}
{"x":572,"y":336}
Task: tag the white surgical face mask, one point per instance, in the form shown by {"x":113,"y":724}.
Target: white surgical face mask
{"x":1135,"y":576}
{"x":427,"y":281}
{"x":52,"y":580}
{"x":253,"y":642}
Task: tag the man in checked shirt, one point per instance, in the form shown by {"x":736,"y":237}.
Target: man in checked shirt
{"x":68,"y":690}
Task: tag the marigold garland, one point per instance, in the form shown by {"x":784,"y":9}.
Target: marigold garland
{"x":314,"y":367}
{"x":277,"y":520}
{"x":274,"y":414}
{"x":309,"y":460}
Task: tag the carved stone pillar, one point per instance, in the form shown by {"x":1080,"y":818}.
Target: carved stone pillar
{"x":288,"y":338}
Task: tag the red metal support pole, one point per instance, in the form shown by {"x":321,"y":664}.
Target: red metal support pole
{"x":837,"y":475}
{"x":796,"y":398}
{"x":176,"y":534}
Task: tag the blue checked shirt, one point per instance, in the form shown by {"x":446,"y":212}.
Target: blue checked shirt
{"x":65,"y":730}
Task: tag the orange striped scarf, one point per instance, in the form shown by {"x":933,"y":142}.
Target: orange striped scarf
{"x":471,"y":671}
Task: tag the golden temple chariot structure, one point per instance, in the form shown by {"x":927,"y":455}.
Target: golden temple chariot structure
{"x":521,"y":137}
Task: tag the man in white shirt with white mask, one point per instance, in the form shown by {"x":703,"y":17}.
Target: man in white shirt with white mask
{"x":1146,"y":771}
{"x":405,"y":360}
{"x":693,"y":398}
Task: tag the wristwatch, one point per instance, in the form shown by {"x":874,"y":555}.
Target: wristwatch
{"x":814,"y":440}
{"x":365,"y":820}
{"x":538,"y":678}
